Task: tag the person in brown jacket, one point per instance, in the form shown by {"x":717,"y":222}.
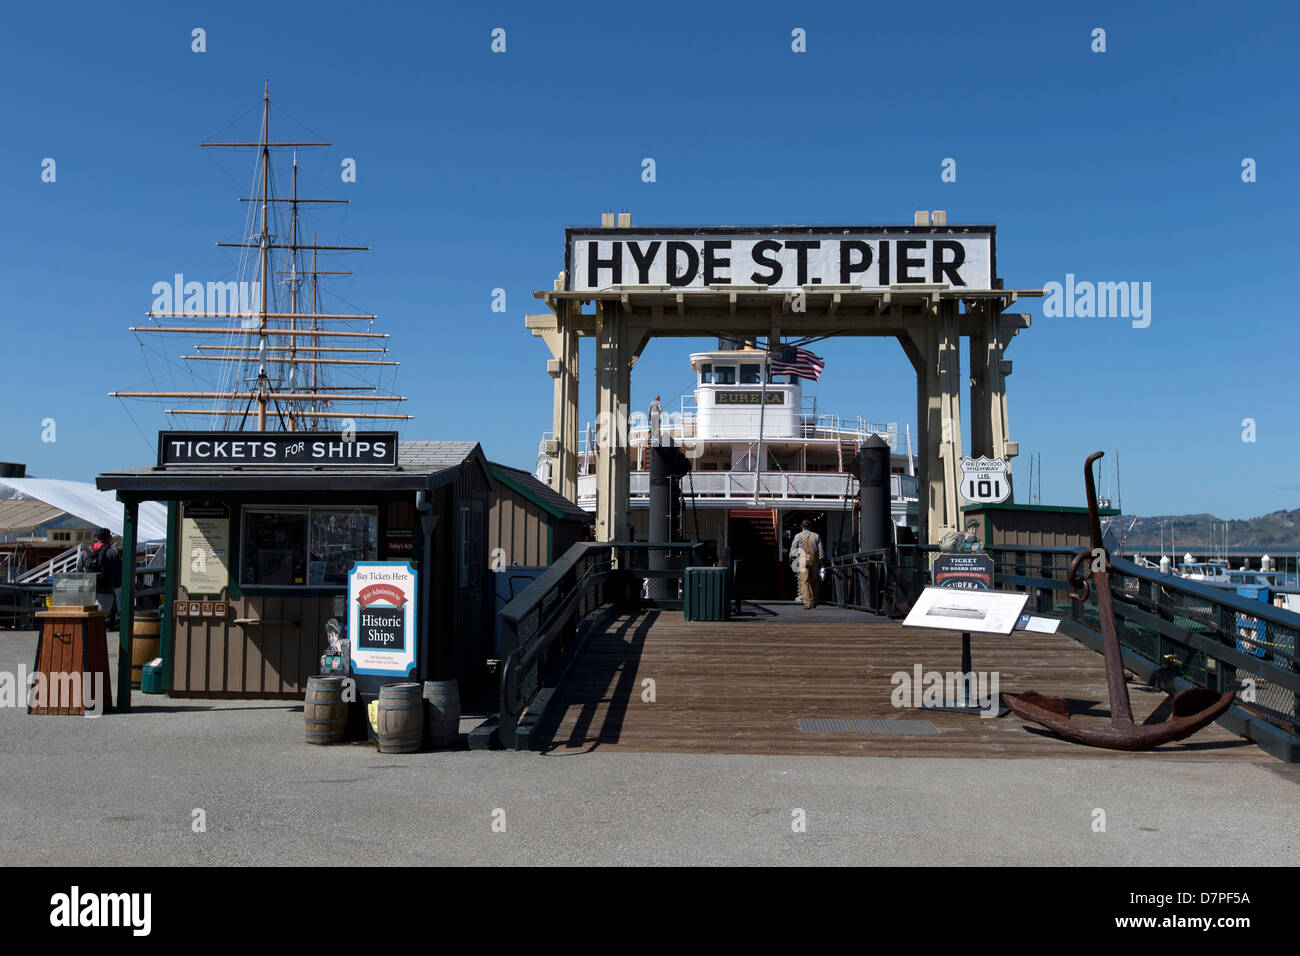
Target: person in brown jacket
{"x":806,"y":557}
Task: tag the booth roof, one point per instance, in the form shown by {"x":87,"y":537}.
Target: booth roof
{"x":539,"y":493}
{"x":420,"y":464}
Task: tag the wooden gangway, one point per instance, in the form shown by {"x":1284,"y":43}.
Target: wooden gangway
{"x":742,"y":686}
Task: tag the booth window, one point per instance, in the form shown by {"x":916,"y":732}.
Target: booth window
{"x":724,"y":375}
{"x":305,"y":547}
{"x":749,"y":374}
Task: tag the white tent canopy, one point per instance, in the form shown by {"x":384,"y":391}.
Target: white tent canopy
{"x":85,"y":501}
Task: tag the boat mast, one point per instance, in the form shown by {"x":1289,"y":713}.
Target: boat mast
{"x":264,"y":244}
{"x":295,"y":406}
{"x":293,"y":290}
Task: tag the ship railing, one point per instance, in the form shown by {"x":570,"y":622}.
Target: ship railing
{"x":1174,"y":634}
{"x":543,"y":627}
{"x":774,"y":485}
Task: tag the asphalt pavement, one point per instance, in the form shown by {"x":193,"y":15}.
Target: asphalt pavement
{"x":197,"y":782}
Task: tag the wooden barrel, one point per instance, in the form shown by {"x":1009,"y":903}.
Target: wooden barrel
{"x":399,"y":719}
{"x":324,"y":711}
{"x":144,"y":642}
{"x":441,"y":713}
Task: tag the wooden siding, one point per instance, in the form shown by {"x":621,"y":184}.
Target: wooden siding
{"x":519,"y":528}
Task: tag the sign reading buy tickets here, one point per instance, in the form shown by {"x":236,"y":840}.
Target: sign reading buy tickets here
{"x":382,"y":617}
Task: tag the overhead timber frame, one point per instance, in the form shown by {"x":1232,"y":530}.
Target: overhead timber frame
{"x":929,"y":322}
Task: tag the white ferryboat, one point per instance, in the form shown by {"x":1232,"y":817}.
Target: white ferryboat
{"x":730,"y":498}
{"x":1220,"y":574}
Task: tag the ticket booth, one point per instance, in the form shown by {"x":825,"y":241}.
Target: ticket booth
{"x":263,"y":528}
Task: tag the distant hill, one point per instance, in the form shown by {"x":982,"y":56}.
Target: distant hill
{"x":1278,"y":529}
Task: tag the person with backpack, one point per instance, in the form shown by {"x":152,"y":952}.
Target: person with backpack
{"x":806,"y":556}
{"x":105,"y":561}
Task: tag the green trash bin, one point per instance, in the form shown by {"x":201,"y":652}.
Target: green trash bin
{"x":151,"y":679}
{"x":704,"y":594}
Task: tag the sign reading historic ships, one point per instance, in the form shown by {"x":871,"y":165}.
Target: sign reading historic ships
{"x":381,"y":617}
{"x":781,"y":257}
{"x":984,"y":480}
{"x":282,"y":449}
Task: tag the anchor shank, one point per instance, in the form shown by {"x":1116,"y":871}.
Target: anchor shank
{"x":1121,"y":710}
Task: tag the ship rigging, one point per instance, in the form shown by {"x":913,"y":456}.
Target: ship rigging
{"x":282,"y":362}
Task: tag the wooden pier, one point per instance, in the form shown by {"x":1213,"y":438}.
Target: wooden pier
{"x":742,"y":686}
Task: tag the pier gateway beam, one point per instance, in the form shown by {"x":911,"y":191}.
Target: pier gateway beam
{"x":926,"y":285}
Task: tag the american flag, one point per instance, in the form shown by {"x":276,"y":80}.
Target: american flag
{"x":801,"y":362}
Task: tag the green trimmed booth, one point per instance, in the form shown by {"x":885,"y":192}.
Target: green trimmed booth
{"x":289,"y":534}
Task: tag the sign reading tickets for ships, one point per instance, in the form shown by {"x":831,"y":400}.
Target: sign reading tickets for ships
{"x":381,"y":617}
{"x":781,"y":257}
{"x":278,"y":449}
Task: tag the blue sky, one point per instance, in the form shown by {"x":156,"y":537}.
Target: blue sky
{"x":1115,"y":166}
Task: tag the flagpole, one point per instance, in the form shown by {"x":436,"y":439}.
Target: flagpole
{"x":762,"y":411}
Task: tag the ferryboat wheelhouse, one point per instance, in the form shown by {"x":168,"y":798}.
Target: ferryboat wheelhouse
{"x":763,"y":459}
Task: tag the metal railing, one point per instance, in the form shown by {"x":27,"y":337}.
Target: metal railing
{"x":541,"y":622}
{"x":831,"y":485}
{"x":858,"y":581}
{"x":1206,"y":636}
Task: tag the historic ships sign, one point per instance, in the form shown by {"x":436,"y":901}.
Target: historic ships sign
{"x":781,"y":257}
{"x":381,"y":617}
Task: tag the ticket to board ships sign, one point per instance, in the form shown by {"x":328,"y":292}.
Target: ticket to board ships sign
{"x":278,"y":449}
{"x":382,"y":617}
{"x":781,"y":257}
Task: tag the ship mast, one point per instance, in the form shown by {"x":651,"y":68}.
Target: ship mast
{"x":294,"y":406}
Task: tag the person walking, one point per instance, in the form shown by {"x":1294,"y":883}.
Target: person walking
{"x":104,"y":561}
{"x":806,"y":557}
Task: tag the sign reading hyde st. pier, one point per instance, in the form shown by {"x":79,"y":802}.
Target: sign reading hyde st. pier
{"x":277,"y":448}
{"x":782,"y":257}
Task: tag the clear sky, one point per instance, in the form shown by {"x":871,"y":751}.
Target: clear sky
{"x":1123,"y":165}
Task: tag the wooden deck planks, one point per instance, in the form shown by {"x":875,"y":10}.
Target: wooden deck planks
{"x":741,"y":687}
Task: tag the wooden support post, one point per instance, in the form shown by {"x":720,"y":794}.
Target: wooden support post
{"x":932,"y":344}
{"x":126,"y":612}
{"x":611,"y":425}
{"x":568,"y":464}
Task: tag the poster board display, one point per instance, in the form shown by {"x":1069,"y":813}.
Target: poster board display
{"x":204,"y":548}
{"x":967,"y":571}
{"x":382,"y":621}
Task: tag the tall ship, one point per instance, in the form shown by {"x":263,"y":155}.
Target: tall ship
{"x":764,"y":458}
{"x":269,"y":348}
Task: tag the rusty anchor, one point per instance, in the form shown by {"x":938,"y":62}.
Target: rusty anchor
{"x":1190,"y":709}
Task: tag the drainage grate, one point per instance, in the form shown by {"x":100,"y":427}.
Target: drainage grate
{"x":839,"y":725}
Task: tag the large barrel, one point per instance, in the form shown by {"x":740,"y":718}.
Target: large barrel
{"x":441,"y":713}
{"x":144,"y":642}
{"x":399,"y":719}
{"x":324,"y":712}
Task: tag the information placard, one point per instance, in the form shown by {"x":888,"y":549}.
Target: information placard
{"x":949,"y":609}
{"x":205,"y":548}
{"x":382,"y":617}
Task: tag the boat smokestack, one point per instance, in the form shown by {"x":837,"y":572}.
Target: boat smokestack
{"x":873,"y":487}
